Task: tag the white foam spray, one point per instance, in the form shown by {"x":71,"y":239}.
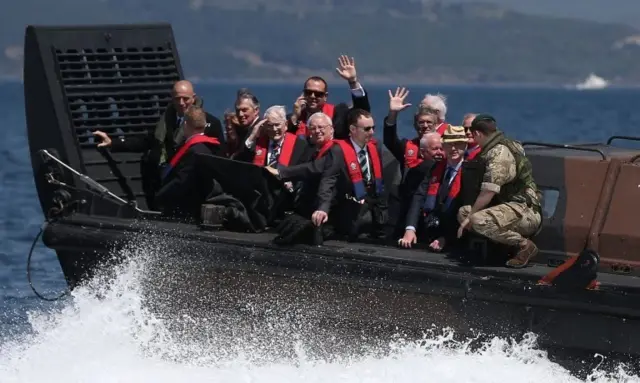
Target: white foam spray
{"x":105,"y":333}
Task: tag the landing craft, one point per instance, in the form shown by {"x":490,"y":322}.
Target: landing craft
{"x":118,"y":78}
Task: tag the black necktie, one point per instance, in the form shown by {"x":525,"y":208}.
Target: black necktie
{"x":444,"y":186}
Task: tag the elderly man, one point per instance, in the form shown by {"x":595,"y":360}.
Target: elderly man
{"x":508,"y":208}
{"x":438,"y":103}
{"x":162,"y":143}
{"x":406,"y":151}
{"x":309,"y":173}
{"x":435,"y":203}
{"x":269,"y":143}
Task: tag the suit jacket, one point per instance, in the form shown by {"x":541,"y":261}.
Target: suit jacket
{"x":335,"y":186}
{"x":186,"y":186}
{"x":396,"y":145}
{"x":307,"y":175}
{"x":448,"y":218}
{"x":299,"y":155}
{"x":400,"y":204}
{"x":163,"y":136}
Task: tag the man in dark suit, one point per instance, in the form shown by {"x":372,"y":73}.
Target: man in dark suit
{"x":184,"y":186}
{"x":269,"y":143}
{"x":435,"y":203}
{"x":314,"y":99}
{"x":161,"y":144}
{"x":351,"y":189}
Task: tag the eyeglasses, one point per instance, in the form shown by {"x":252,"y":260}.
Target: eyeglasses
{"x":368,"y":128}
{"x":318,"y":127}
{"x":316,"y":93}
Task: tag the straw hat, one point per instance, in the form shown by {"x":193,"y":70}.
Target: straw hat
{"x":454,"y":134}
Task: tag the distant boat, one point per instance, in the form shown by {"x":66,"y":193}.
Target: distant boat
{"x":593,"y":82}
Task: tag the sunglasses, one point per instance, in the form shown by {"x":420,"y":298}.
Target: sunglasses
{"x":368,"y":128}
{"x":317,"y":93}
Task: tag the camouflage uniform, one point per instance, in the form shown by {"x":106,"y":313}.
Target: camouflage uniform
{"x":509,"y":221}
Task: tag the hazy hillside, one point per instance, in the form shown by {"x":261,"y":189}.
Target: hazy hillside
{"x":393,"y":40}
{"x":607,"y":11}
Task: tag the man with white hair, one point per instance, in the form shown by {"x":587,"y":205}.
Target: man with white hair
{"x":406,"y":151}
{"x":269,"y":144}
{"x":438,"y":103}
{"x":434,"y":205}
{"x":308,"y":174}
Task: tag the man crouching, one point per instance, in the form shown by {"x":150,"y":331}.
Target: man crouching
{"x":507,"y":210}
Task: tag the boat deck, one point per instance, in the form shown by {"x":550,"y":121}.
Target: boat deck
{"x":356,"y":251}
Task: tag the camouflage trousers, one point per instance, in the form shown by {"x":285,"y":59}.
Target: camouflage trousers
{"x":507,"y":223}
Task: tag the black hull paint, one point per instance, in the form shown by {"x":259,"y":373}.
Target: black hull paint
{"x":368,"y":287}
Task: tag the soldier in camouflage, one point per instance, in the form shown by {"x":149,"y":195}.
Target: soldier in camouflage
{"x":507,"y":209}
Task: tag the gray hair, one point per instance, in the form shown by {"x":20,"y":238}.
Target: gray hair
{"x":468,"y":116}
{"x":437,"y":102}
{"x":424,"y":141}
{"x":245,"y":94}
{"x":320,"y":115}
{"x":277,"y":111}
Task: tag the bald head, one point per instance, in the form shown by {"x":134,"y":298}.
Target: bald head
{"x":183,"y":96}
{"x":431,"y":147}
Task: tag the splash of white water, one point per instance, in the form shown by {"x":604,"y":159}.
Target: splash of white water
{"x":106,"y":334}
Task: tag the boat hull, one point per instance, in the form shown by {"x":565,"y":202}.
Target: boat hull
{"x":232,"y":278}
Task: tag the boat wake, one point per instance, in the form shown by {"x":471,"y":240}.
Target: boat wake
{"x":106,"y":332}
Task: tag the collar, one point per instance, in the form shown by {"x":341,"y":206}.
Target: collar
{"x":357,"y":147}
{"x":193,"y":135}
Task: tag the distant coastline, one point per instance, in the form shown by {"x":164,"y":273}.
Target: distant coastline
{"x":297,"y":81}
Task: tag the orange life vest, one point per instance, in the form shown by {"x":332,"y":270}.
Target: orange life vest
{"x":435,"y":183}
{"x":193,"y":140}
{"x":323,"y":150}
{"x":262,"y":148}
{"x":302,"y":124}
{"x":354,"y":170}
{"x":471,"y":154}
{"x":442,"y":128}
{"x":412,"y":153}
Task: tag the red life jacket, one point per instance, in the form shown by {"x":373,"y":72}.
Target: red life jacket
{"x":262,"y":148}
{"x":353,"y":167}
{"x":324,"y":149}
{"x":302,"y":124}
{"x":442,"y":128}
{"x":193,"y":140}
{"x":471,"y":154}
{"x":434,"y":185}
{"x":412,"y":153}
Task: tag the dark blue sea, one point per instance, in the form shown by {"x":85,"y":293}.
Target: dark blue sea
{"x":83,"y":339}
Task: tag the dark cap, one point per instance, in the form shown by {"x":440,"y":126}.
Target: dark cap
{"x":477,"y":123}
{"x":482,"y":117}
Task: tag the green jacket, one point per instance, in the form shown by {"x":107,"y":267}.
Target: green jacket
{"x":523,"y":187}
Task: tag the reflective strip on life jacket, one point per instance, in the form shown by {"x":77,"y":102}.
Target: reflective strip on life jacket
{"x":353,"y":167}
